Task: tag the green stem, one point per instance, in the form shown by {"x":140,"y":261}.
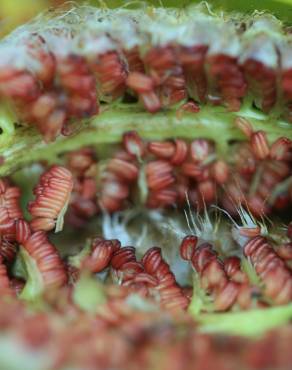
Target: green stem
{"x":26,"y":145}
{"x":247,"y":323}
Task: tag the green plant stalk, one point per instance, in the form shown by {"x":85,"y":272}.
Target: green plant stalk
{"x":247,"y":323}
{"x":26,"y":145}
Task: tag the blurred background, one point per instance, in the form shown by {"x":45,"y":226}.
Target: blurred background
{"x":15,"y":12}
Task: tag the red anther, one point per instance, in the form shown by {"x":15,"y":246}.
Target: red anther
{"x":101,"y":254}
{"x":8,"y":249}
{"x":167,"y":74}
{"x":245,"y":161}
{"x":232,"y":267}
{"x":139,"y":82}
{"x":249,"y":232}
{"x":202,"y":256}
{"x":260,"y":145}
{"x":165,"y":196}
{"x":277,"y":170}
{"x":187,"y":247}
{"x":200,"y":149}
{"x":190,"y":107}
{"x":213,"y":275}
{"x":244,"y":126}
{"x":4,"y":280}
{"x":151,"y":260}
{"x":207,"y":190}
{"x":220,"y":172}
{"x":131,"y":269}
{"x":228,"y":78}
{"x":134,"y":61}
{"x":110,"y":204}
{"x":52,"y":195}
{"x":23,"y":231}
{"x":111,"y":75}
{"x":252,"y":245}
{"x":284,"y":251}
{"x":81,"y":160}
{"x":115,"y":189}
{"x":257,"y":205}
{"x":124,"y":170}
{"x":79,"y":84}
{"x":123,"y":256}
{"x":162,"y":149}
{"x":53,"y":124}
{"x":171,"y":295}
{"x":47,"y":260}
{"x":280,"y":149}
{"x":180,"y":154}
{"x":192,"y":170}
{"x":192,"y":60}
{"x":227,"y":296}
{"x":145,"y":278}
{"x":43,"y":106}
{"x":277,"y":279}
{"x":278,"y":285}
{"x":133,"y":144}
{"x":281,"y":201}
{"x":262,"y":83}
{"x":150,"y":101}
{"x":159,"y":174}
{"x":16,"y":84}
{"x":245,"y":293}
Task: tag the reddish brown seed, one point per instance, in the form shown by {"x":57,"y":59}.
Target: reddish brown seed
{"x":133,"y":144}
{"x":188,"y":246}
{"x":259,"y":145}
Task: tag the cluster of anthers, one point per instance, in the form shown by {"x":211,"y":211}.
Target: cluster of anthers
{"x":222,"y":278}
{"x":162,"y":174}
{"x":59,"y":69}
